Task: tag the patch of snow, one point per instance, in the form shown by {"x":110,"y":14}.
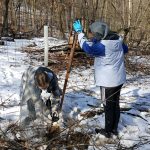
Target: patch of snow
{"x":81,"y":93}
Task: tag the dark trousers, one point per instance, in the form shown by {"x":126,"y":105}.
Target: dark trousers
{"x":31,"y":109}
{"x":110,"y":97}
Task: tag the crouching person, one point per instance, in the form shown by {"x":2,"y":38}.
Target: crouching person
{"x":34,"y":80}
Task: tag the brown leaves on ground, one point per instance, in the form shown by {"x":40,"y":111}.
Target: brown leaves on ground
{"x":70,"y":141}
{"x":58,"y":60}
{"x":91,"y":113}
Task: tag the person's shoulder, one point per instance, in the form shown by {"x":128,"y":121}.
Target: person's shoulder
{"x":43,"y":68}
{"x":112,"y":36}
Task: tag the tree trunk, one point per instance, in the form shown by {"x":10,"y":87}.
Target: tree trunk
{"x":51,"y":18}
{"x":129,"y":18}
{"x":123,"y":12}
{"x":33,"y":15}
{"x":4,"y":31}
{"x":95,"y":7}
{"x":129,"y":13}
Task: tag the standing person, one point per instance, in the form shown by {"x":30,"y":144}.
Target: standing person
{"x":34,"y":80}
{"x":108,"y":49}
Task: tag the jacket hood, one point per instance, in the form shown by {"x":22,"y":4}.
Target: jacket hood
{"x":99,"y":29}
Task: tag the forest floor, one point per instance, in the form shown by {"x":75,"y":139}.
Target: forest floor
{"x":82,"y":111}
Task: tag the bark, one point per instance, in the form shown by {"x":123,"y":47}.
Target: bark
{"x":4,"y":31}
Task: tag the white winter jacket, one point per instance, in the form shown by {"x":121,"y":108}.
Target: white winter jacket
{"x":109,"y":59}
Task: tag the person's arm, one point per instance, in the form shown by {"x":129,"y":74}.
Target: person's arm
{"x":35,"y":94}
{"x":92,"y":48}
{"x":54,"y":87}
{"x":125,"y":48}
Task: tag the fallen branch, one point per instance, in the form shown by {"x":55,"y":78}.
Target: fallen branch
{"x":135,"y":116}
{"x":63,"y":47}
{"x":59,"y":47}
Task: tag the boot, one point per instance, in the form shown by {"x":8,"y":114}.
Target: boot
{"x":103,"y":132}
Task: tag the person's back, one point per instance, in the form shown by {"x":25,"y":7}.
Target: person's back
{"x":109,"y":69}
{"x":28,"y":88}
{"x":108,"y":49}
{"x":34,"y":80}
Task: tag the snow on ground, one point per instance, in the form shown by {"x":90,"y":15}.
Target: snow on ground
{"x":51,"y":42}
{"x":81,"y":94}
{"x":11,"y":69}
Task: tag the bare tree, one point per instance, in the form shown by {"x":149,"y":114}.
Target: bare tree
{"x":4,"y":31}
{"x":31,"y":15}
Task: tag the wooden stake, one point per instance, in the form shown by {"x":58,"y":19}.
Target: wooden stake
{"x":68,"y":70}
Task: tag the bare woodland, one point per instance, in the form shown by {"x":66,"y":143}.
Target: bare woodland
{"x":26,"y":19}
{"x":29,"y":16}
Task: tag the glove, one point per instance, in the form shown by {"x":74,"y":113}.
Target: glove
{"x":77,"y":26}
{"x":55,"y":117}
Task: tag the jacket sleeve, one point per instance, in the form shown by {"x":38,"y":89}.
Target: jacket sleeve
{"x":54,"y":87}
{"x":125,"y":48}
{"x":35,"y":94}
{"x":92,"y":48}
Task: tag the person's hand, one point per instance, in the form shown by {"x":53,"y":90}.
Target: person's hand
{"x":55,"y":117}
{"x":77,"y":26}
{"x":49,"y":117}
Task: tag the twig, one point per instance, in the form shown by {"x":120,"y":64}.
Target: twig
{"x":136,"y":116}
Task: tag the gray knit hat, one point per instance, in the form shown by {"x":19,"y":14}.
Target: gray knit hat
{"x":99,"y":29}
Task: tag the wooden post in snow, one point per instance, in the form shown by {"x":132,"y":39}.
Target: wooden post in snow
{"x":46,"y":45}
{"x":68,"y":69}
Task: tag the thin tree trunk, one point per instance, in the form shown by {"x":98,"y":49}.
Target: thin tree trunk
{"x":95,"y":7}
{"x":123,"y":12}
{"x":33,"y":14}
{"x":105,"y":13}
{"x":129,"y":18}
{"x":102,"y":9}
{"x":26,"y":15}
{"x":130,"y":12}
{"x":51,"y":19}
{"x":1,"y":12}
{"x":4,"y":31}
{"x":13,"y":19}
{"x":66,"y":19}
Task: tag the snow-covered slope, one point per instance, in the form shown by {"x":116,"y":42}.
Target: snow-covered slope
{"x":81,"y":96}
